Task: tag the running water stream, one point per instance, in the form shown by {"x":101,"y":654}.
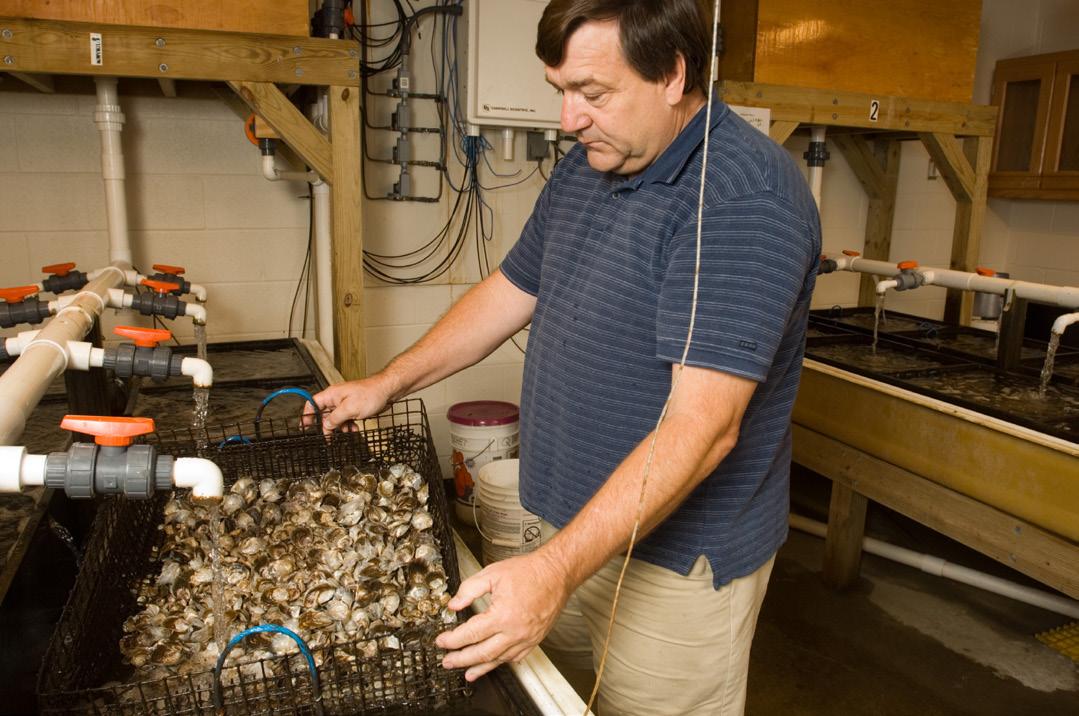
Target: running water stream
{"x":878,"y":314}
{"x":1047,"y":368}
{"x":221,"y":634}
{"x":202,"y":409}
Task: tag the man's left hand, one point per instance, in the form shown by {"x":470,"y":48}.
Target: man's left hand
{"x":527,"y":595}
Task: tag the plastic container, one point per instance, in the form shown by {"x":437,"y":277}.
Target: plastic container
{"x":481,"y":431}
{"x":507,"y":528}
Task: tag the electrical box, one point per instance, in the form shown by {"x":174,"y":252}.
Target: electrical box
{"x":504,"y":82}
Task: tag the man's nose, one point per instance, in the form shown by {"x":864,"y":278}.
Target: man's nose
{"x":573,"y":119}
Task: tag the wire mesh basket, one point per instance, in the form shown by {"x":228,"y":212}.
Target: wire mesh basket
{"x":83,"y":671}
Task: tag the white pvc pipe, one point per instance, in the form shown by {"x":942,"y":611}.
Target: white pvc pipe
{"x":201,"y":475}
{"x":884,"y":285}
{"x":816,"y":174}
{"x":110,"y":122}
{"x":198,"y":291}
{"x":272,"y":173}
{"x":323,"y":274}
{"x":197,"y":312}
{"x":46,"y":357}
{"x":942,"y":568}
{"x":1066,"y":296}
{"x":200,"y":371}
{"x":18,"y":470}
{"x":1062,"y":322}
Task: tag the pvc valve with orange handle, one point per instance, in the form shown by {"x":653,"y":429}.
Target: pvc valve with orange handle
{"x":111,"y":464}
{"x":109,"y":430}
{"x":907,"y":265}
{"x":63,"y":277}
{"x":168,"y":273}
{"x":908,"y":277}
{"x":143,"y":337}
{"x":16,"y":294}
{"x":161,"y":300}
{"x":852,"y":253}
{"x":987,"y":272}
{"x":19,"y":307}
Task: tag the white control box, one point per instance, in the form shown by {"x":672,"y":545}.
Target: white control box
{"x":504,"y":82}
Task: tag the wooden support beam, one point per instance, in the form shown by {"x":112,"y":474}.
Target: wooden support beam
{"x":781,"y":131}
{"x":168,"y":87}
{"x":967,"y":234}
{"x":60,"y":47}
{"x":854,"y":109}
{"x":1019,"y":544}
{"x":350,"y":345}
{"x":42,"y":83}
{"x":877,"y":170}
{"x":843,"y":543}
{"x":272,"y":105}
{"x":947,"y":152}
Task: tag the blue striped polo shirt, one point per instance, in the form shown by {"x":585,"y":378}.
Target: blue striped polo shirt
{"x":611,"y":262}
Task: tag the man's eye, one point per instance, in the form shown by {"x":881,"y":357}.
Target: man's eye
{"x":593,"y":97}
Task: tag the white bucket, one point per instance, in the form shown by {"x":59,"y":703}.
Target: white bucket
{"x":507,"y":528}
{"x":481,"y":431}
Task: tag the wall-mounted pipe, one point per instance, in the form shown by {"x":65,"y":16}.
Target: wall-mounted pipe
{"x":815,"y":158}
{"x":110,"y":122}
{"x":320,"y":193}
{"x":942,"y":568}
{"x":1062,"y":322}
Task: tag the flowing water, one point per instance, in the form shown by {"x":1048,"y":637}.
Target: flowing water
{"x":200,"y":340}
{"x":878,"y":313}
{"x":202,"y":409}
{"x":65,"y":536}
{"x":1047,"y":369}
{"x":221,"y":634}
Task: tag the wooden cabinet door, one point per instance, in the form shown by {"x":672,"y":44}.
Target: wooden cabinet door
{"x":1061,"y":167}
{"x":1022,"y":89}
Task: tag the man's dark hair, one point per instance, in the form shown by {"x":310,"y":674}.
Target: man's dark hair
{"x":652,"y":32}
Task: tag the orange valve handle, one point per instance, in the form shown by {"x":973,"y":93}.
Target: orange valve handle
{"x":249,"y":130}
{"x":59,"y":269}
{"x":112,"y":431}
{"x":17,"y":294}
{"x":143,"y":337}
{"x":907,"y":265}
{"x":851,"y":252}
{"x":161,"y":287}
{"x":988,"y":272}
{"x":168,"y":268}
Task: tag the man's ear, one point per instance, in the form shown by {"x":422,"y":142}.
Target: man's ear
{"x":674,"y":84}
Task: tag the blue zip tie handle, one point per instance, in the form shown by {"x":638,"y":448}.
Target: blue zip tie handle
{"x":235,"y":440}
{"x":263,"y":628}
{"x":286,"y":391}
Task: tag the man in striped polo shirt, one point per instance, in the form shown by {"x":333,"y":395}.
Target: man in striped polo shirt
{"x":605,"y":272}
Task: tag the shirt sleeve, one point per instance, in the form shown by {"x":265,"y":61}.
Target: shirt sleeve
{"x":524,"y":261}
{"x":757,"y":259}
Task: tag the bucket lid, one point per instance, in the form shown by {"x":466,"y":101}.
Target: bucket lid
{"x":483,"y":412}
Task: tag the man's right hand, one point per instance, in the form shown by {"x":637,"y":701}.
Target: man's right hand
{"x":343,"y":404}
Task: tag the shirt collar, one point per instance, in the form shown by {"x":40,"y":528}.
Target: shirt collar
{"x":669,"y":165}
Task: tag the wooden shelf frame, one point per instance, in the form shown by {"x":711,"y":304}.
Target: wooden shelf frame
{"x":959,"y":138}
{"x":252,"y":65}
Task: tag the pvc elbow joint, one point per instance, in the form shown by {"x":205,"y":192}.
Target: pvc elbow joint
{"x":200,"y":372}
{"x":883,"y":286}
{"x":18,"y":470}
{"x":197,"y":313}
{"x":1062,"y":322}
{"x":201,"y":475}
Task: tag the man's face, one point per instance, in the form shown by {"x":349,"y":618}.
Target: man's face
{"x":623,"y":120}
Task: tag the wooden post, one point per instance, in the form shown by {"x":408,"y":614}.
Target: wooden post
{"x":350,"y":346}
{"x":843,"y":544}
{"x":878,"y":172}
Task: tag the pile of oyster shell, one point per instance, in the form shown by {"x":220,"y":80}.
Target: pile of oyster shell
{"x":348,"y":558}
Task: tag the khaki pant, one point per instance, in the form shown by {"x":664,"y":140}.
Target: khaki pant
{"x":679,"y":646}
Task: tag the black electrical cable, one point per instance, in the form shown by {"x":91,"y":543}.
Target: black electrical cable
{"x":305,"y":269}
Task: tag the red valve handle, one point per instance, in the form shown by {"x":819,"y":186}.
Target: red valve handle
{"x":905,"y":265}
{"x":59,"y":269}
{"x":143,"y":337}
{"x":18,"y":293}
{"x":982,"y":271}
{"x":168,"y":268}
{"x":108,"y":430}
{"x":249,"y":130}
{"x":161,"y":287}
{"x":851,"y":252}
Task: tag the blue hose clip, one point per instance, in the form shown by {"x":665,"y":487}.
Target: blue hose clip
{"x":262,"y":628}
{"x":235,"y":440}
{"x":285,"y":391}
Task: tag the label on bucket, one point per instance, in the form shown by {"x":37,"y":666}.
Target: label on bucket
{"x":517,"y":531}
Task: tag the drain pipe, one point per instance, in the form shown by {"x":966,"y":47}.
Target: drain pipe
{"x":1062,"y":322}
{"x":320,"y":193}
{"x":110,"y":122}
{"x":815,"y":157}
{"x":942,"y":568}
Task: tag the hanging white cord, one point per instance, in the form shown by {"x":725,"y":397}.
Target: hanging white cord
{"x":646,"y":470}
